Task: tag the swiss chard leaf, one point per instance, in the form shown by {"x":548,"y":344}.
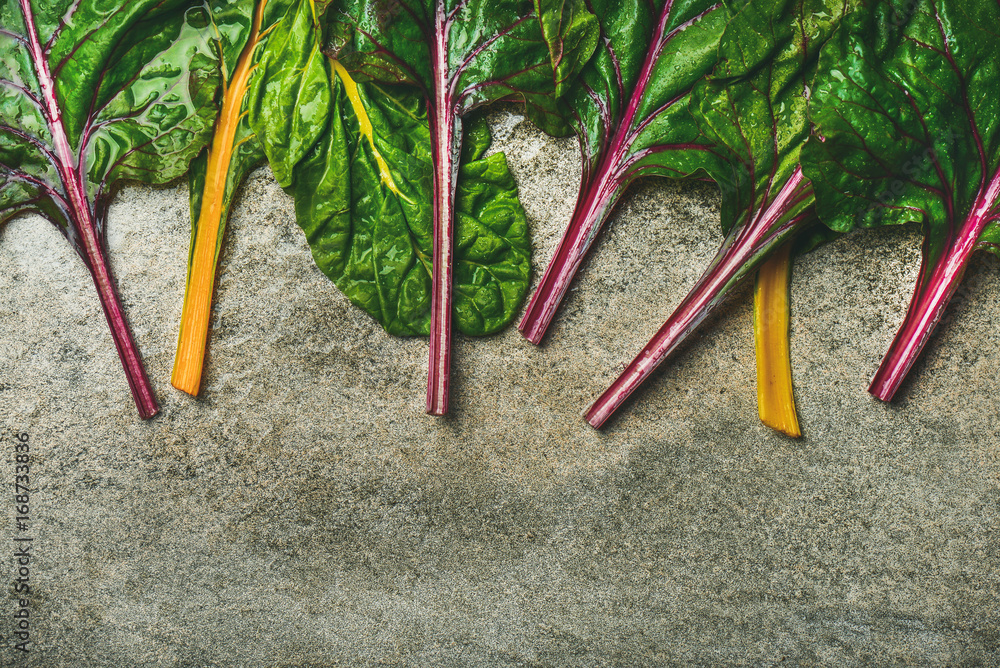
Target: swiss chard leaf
{"x":460,"y":54}
{"x":906,"y":104}
{"x":265,"y":45}
{"x":630,"y":113}
{"x":289,"y":100}
{"x":752,"y":112}
{"x":92,"y":93}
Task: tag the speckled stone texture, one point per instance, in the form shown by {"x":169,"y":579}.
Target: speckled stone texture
{"x":305,"y":512}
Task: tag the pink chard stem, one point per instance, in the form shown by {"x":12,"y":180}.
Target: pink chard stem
{"x":936,"y":286}
{"x":90,"y":248}
{"x":128,"y":352}
{"x":746,"y":247}
{"x":711,"y":289}
{"x":446,"y":145}
{"x":593,"y":206}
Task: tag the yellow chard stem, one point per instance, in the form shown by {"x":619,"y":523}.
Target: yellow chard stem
{"x":775,"y":398}
{"x":191,"y":342}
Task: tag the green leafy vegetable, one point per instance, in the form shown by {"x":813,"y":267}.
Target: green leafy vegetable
{"x":357,"y":160}
{"x":752,"y":111}
{"x":906,"y":103}
{"x":215,"y":175}
{"x":92,"y":93}
{"x":460,"y":54}
{"x":630,"y":113}
{"x":267,"y":45}
{"x":364,"y":201}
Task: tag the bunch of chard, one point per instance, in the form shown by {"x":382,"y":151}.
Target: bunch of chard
{"x":91,"y":94}
{"x":357,"y":160}
{"x":631,"y":114}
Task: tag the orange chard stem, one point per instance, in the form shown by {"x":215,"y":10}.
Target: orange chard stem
{"x":191,"y":342}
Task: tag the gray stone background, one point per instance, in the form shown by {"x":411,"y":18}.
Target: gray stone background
{"x":305,"y":512}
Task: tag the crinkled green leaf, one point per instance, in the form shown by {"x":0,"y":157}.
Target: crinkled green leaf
{"x":372,"y":234}
{"x":134,"y":86}
{"x":631,"y":106}
{"x":490,"y":49}
{"x":154,"y":76}
{"x":290,"y":95}
{"x":905,"y":105}
{"x":571,"y":33}
{"x":754,"y":107}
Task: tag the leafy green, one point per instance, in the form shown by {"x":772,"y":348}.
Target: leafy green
{"x":368,"y":219}
{"x":273,"y":45}
{"x":630,"y":113}
{"x":289,"y":100}
{"x":460,"y":54}
{"x":231,"y":27}
{"x":92,"y":93}
{"x":752,"y":112}
{"x":906,"y":105}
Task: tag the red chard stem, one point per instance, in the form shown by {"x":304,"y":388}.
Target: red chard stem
{"x":936,"y":285}
{"x":608,"y":174}
{"x":128,"y":352}
{"x":588,"y":218}
{"x":85,"y":227}
{"x":446,"y":145}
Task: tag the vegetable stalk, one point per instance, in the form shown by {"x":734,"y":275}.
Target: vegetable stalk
{"x":128,"y":352}
{"x":639,"y":141}
{"x":84,"y":225}
{"x":460,"y":56}
{"x":936,"y":285}
{"x":775,"y":398}
{"x":446,"y":134}
{"x":593,"y":206}
{"x":210,"y":226}
{"x":446,"y":145}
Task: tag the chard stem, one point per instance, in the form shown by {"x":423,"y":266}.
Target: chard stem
{"x":128,"y":352}
{"x":935,"y":288}
{"x":775,"y":397}
{"x":721,"y":276}
{"x":746,"y":247}
{"x":601,"y":189}
{"x":592,"y":210}
{"x":85,"y":229}
{"x":209,"y":229}
{"x":936,"y":285}
{"x":446,"y":144}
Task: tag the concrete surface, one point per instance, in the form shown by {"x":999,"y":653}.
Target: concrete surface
{"x":305,"y":512}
